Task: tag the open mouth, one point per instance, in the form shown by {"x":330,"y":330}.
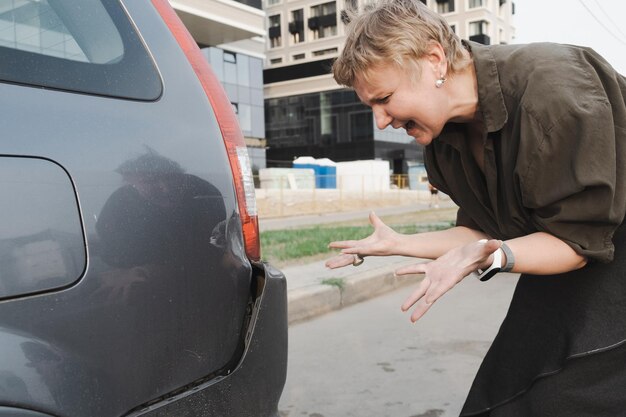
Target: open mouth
{"x":409,"y":125}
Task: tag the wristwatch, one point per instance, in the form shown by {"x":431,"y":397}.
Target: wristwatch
{"x":496,"y":267}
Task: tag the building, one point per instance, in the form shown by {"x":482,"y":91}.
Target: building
{"x":231,"y":34}
{"x":308,"y":114}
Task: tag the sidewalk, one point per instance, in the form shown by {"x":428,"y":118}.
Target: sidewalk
{"x":313,"y":289}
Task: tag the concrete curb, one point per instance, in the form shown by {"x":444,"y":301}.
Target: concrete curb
{"x":305,"y":303}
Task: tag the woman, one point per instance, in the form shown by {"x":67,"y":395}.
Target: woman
{"x":529,"y":141}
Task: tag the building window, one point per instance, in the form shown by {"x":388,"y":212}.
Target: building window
{"x":323,"y":20}
{"x":328,"y":51}
{"x":503,"y":8}
{"x":296,"y":26}
{"x":275,"y":61}
{"x":324,"y":9}
{"x":298,"y":57}
{"x":478,"y":32}
{"x":478,"y":28}
{"x":453,"y":27}
{"x":477,"y":3}
{"x":274,"y":31}
{"x":230,"y":57}
{"x":273,"y":2}
{"x":445,"y":6}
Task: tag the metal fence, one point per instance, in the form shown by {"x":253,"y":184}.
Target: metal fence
{"x":295,"y":196}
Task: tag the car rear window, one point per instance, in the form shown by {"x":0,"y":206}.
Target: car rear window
{"x":86,"y":46}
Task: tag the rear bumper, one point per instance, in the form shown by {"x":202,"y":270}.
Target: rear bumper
{"x":253,"y":389}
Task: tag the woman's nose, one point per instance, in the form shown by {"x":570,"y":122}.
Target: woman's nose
{"x":382,"y":118}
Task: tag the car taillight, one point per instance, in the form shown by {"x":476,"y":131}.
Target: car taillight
{"x":233,"y":138}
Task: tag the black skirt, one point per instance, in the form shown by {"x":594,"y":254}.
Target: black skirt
{"x":564,"y":338}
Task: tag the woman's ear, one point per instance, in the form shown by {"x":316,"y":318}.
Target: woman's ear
{"x":436,"y":57}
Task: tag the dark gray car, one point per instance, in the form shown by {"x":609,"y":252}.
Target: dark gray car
{"x":130,"y":280}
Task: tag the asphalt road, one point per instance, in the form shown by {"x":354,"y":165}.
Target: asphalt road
{"x":368,"y":360}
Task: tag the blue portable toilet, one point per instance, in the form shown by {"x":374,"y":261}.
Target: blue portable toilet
{"x":328,"y":172}
{"x":310,"y":163}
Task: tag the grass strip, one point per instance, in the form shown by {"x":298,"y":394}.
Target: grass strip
{"x":282,"y":245}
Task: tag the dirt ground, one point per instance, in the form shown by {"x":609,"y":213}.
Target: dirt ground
{"x":283,"y":203}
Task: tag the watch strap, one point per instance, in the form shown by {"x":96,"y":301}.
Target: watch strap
{"x":510,"y":258}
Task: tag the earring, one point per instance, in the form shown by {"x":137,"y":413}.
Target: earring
{"x":440,"y":82}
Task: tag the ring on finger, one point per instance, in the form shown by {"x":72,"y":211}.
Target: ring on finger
{"x":358,"y":260}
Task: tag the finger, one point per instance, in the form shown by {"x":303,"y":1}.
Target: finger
{"x":416,"y":295}
{"x":362,"y":251}
{"x":340,"y":261}
{"x":375,"y":220}
{"x":421,"y":309}
{"x":435,"y":292}
{"x":491,"y":245}
{"x":342,"y":244}
{"x":411,"y":269}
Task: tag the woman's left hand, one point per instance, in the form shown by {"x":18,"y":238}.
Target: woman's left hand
{"x":445,"y":272}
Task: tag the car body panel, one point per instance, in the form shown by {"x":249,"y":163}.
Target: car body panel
{"x":166,"y":298}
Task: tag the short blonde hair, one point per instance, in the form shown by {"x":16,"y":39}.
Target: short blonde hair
{"x":394,"y":31}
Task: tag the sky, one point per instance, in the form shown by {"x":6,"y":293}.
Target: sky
{"x":573,"y":21}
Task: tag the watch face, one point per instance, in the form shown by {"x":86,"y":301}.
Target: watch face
{"x":488,"y":273}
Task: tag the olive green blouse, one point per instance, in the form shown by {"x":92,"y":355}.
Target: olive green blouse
{"x":554,"y":147}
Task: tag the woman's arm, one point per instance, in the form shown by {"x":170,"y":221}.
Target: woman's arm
{"x":384,"y":241}
{"x":457,"y":253}
{"x":538,"y":253}
{"x":544,"y":254}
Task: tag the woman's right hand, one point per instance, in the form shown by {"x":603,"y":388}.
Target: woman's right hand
{"x":383,"y":242}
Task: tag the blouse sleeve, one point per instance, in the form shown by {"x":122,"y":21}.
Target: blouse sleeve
{"x":573,"y":177}
{"x":463,"y":219}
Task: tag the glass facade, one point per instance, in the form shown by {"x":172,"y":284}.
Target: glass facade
{"x":242,"y":78}
{"x":332,"y":124}
{"x":316,"y":119}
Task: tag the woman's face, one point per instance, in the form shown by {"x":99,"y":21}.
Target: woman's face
{"x":403,"y":99}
